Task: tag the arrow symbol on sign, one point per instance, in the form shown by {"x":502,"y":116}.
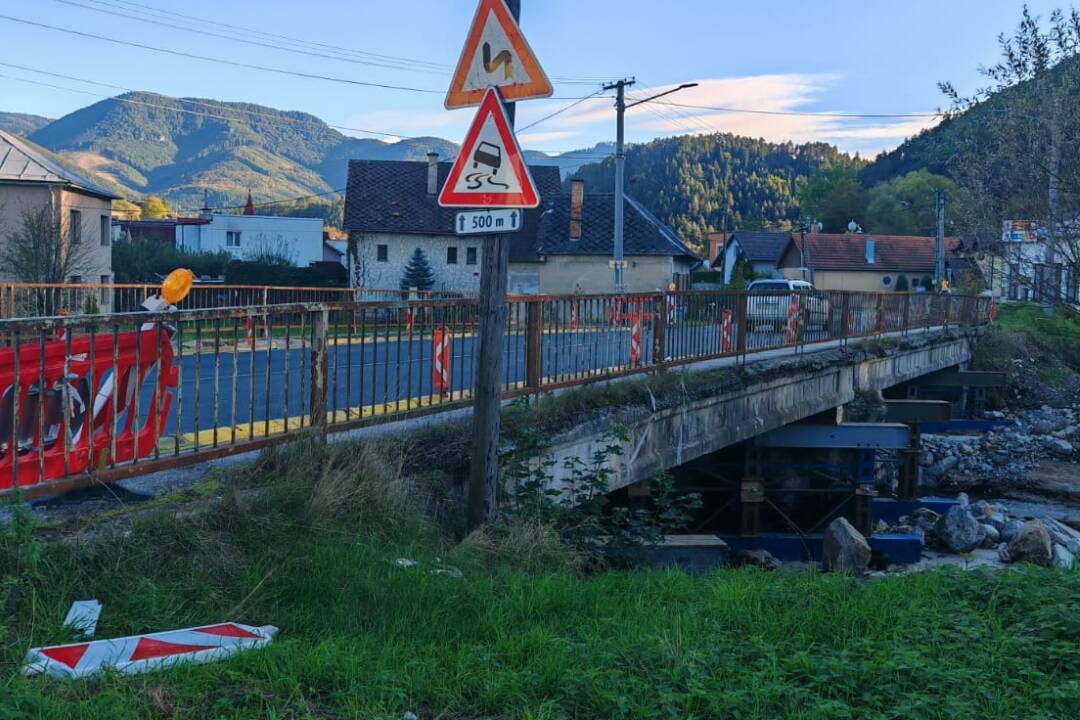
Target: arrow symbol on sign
{"x":513,"y":220}
{"x":461,"y":223}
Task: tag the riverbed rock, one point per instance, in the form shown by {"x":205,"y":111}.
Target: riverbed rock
{"x":959,"y":531}
{"x":1011,"y":529}
{"x":758,"y":558}
{"x":1032,"y":544}
{"x":1060,"y":447}
{"x":844,"y":549}
{"x":992,"y":535}
{"x":1062,"y":557}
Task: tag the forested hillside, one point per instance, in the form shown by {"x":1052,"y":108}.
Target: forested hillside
{"x":706,"y":183}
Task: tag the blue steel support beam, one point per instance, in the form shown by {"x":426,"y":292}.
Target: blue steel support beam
{"x":854,"y":436}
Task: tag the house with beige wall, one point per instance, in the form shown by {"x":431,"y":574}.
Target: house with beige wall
{"x":861,"y":262}
{"x":30,"y":179}
{"x":564,"y":246}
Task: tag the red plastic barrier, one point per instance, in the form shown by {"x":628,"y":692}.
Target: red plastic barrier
{"x":68,"y":387}
{"x":725,"y":331}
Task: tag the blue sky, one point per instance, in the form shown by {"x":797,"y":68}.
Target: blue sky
{"x":841,"y":56}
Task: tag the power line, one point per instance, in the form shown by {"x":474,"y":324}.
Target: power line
{"x":257,"y":43}
{"x":222,"y":61}
{"x":269,"y":116}
{"x":797,"y":113}
{"x":335,"y":53}
{"x":561,"y":110}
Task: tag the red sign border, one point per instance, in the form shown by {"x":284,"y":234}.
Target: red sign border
{"x":529,"y":197}
{"x":538,"y":86}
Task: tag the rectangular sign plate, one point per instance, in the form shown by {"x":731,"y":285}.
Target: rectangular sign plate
{"x":487,"y":222}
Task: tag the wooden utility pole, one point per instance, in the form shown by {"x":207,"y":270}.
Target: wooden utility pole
{"x":487,"y":395}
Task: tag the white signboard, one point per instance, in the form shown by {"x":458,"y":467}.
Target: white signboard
{"x":485,"y":222}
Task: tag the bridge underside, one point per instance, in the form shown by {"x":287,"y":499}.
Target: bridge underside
{"x":769,"y":394}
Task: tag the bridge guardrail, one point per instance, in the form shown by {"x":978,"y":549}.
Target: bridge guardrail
{"x":29,"y":300}
{"x":94,"y":398}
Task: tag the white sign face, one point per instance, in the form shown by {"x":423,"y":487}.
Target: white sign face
{"x":496,"y":54}
{"x":487,"y":222}
{"x":489,"y":171}
{"x":486,"y":167}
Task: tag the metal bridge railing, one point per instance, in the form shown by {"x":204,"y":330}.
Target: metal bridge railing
{"x":93,"y":398}
{"x":29,"y":300}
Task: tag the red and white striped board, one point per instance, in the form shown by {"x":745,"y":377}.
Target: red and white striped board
{"x":440,"y":363}
{"x":145,"y":653}
{"x":725,"y":331}
{"x":793,"y":319}
{"x":635,"y":343}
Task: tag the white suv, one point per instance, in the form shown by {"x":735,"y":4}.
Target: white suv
{"x":769,"y":303}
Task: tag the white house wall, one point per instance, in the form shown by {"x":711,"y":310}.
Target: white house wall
{"x":372,"y":274}
{"x":303,"y":237}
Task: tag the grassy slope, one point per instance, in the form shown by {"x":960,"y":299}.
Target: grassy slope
{"x":1049,"y":344}
{"x":518,"y":636}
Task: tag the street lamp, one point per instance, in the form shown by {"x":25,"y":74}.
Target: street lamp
{"x":620,"y":165}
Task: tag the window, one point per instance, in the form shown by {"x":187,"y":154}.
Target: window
{"x":75,"y":229}
{"x":76,"y":279}
{"x":470,"y":256}
{"x":451,"y":256}
{"x":382,"y":253}
{"x":106,"y":230}
{"x":232,"y":239}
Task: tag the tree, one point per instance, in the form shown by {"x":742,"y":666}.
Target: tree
{"x":271,"y":251}
{"x":907,"y":205}
{"x":418,"y":272}
{"x":1021,"y":161}
{"x":126,"y":210}
{"x":154,"y":208}
{"x":40,"y":250}
{"x":902,"y":284}
{"x":834,"y":197}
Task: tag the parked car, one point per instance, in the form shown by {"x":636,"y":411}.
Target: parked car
{"x":769,"y":303}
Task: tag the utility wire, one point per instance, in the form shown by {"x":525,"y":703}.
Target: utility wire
{"x":269,"y":116}
{"x":257,"y":43}
{"x":222,"y":61}
{"x":130,"y":5}
{"x":797,"y":113}
{"x":561,"y":110}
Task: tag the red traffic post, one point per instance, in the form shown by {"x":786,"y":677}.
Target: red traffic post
{"x":440,"y":360}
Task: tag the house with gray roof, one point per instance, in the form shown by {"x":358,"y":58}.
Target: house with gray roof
{"x":31,"y":178}
{"x":564,"y":246}
{"x":761,"y":248}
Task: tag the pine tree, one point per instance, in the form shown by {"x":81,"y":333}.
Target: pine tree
{"x":418,"y":272}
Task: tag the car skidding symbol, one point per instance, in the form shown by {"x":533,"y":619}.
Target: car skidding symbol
{"x":488,"y":154}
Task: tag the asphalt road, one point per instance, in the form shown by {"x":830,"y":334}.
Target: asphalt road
{"x":217,"y":391}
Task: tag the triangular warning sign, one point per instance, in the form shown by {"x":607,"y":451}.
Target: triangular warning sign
{"x":496,"y":54}
{"x":489,"y":171}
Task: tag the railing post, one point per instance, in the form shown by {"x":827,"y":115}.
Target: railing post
{"x":534,"y":338}
{"x":907,"y":313}
{"x":319,"y":371}
{"x":845,"y":321}
{"x":659,"y":349}
{"x":879,"y":319}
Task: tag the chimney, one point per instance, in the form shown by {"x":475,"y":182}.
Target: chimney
{"x":869,"y":251}
{"x":433,"y":173}
{"x":577,"y":200}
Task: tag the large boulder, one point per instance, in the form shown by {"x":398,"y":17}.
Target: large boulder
{"x":844,"y":549}
{"x":1011,"y":530}
{"x":958,"y":530}
{"x":1032,"y":544}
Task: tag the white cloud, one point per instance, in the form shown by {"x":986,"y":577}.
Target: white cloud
{"x":544,"y":137}
{"x":712,"y":105}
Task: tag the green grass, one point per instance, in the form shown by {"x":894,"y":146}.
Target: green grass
{"x":520,"y":636}
{"x":1029,"y":317}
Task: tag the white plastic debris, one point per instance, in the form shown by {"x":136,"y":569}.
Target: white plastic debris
{"x":146,"y":653}
{"x":83,"y":617}
{"x":406,"y":563}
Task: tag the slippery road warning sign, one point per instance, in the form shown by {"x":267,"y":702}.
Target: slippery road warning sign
{"x":496,"y":54}
{"x":489,"y":171}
